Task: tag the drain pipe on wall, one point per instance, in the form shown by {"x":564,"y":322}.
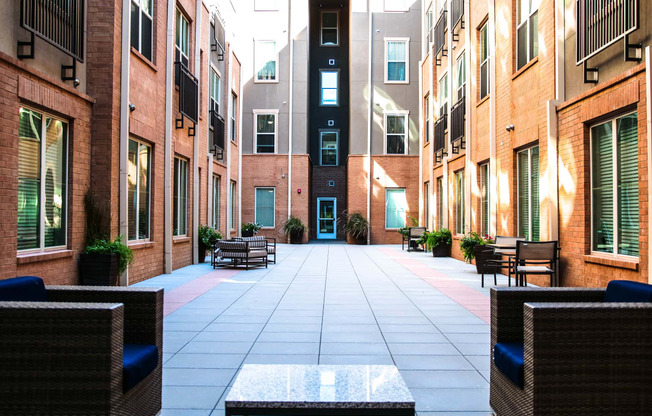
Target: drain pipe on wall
{"x":167,"y":211}
{"x":369,"y":114}
{"x":291,"y":108}
{"x":648,"y":101}
{"x":493,"y":160}
{"x":124,"y":130}
{"x":229,"y":96}
{"x":422,"y":196}
{"x":195,"y":140}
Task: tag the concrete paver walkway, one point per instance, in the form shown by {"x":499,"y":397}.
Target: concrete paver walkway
{"x":329,"y":304}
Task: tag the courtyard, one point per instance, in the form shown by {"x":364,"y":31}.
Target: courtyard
{"x":329,"y":304}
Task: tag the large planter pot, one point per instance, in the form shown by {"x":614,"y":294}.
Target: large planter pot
{"x":247,"y":233}
{"x":441,"y":251}
{"x":99,"y":269}
{"x":296,"y":238}
{"x":482,"y":255}
{"x":202,"y":253}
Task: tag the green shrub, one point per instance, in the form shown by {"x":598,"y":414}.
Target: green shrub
{"x":357,"y":226}
{"x":294,"y":226}
{"x":469,"y":241}
{"x":208,"y":236}
{"x":105,"y":246}
{"x":251,"y":226}
{"x":441,"y":237}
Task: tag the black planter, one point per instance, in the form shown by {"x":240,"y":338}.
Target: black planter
{"x":442,"y":250}
{"x":99,"y":269}
{"x":247,"y":233}
{"x":296,"y":238}
{"x":202,"y":252}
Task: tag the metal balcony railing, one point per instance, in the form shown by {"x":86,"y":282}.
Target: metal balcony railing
{"x":602,"y":23}
{"x":188,"y":96}
{"x":60,"y":23}
{"x":457,"y":11}
{"x":458,"y":115}
{"x":440,"y":36}
{"x":440,"y":136}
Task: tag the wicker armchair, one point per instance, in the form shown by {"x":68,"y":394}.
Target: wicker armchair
{"x":64,"y":356}
{"x":414,"y":234}
{"x":578,"y":355}
{"x":258,"y":241}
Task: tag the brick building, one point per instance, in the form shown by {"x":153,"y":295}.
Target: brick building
{"x":554,"y":140}
{"x":117,"y":103}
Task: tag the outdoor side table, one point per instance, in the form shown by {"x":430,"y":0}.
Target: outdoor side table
{"x":360,"y":390}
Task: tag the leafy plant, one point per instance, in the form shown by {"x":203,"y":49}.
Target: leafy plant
{"x":441,"y":237}
{"x":106,"y":246}
{"x":405,"y":231}
{"x":294,"y":226}
{"x":357,"y":226}
{"x":469,"y":241}
{"x":251,"y":226}
{"x":208,"y":236}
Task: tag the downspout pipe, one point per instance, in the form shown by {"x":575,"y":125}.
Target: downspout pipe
{"x":195,"y":140}
{"x":422,"y":196}
{"x":369,"y":113}
{"x":493,"y":160}
{"x":169,"y":80}
{"x":290,"y":109}
{"x":124,"y":129}
{"x":648,"y":97}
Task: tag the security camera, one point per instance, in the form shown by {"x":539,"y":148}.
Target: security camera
{"x":510,"y":127}
{"x":131,"y":107}
{"x":76,"y":82}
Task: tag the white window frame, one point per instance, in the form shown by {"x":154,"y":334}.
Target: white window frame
{"x":322,"y":27}
{"x":321,"y":87}
{"x":149,"y":194}
{"x":139,"y":5}
{"x":529,"y":191}
{"x":407,"y":60}
{"x":440,"y":202}
{"x":232,"y":192}
{"x":485,"y":197}
{"x":255,"y":60}
{"x":273,"y":112}
{"x":41,"y":238}
{"x":429,"y":24}
{"x":215,"y":83}
{"x":428,"y":130}
{"x":460,"y":88}
{"x":460,"y":220}
{"x":404,"y":218}
{"x":322,"y":148}
{"x":406,"y":135}
{"x":616,"y":171}
{"x":527,"y":23}
{"x":233,"y":110}
{"x":396,"y":6}
{"x":267,"y":6}
{"x":442,"y":90}
{"x":176,"y":225}
{"x":485,"y":28}
{"x":256,"y":205}
{"x":217,"y":184}
{"x":180,"y":20}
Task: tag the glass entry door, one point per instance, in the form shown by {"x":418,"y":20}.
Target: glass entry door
{"x":326,"y":209}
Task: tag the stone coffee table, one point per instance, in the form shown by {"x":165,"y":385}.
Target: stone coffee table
{"x":306,"y":390}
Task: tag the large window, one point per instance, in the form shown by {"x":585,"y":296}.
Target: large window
{"x":396,"y":133}
{"x":182,"y":43}
{"x":428,"y":112}
{"x":443,"y":95}
{"x":141,"y":27}
{"x":216,"y":201}
{"x":214,"y":87}
{"x":615,"y":183}
{"x":329,"y":28}
{"x":440,"y":202}
{"x":395,"y":208}
{"x":430,"y":22}
{"x":265,"y":61}
{"x":265,"y":133}
{"x":180,"y":199}
{"x":461,"y":76}
{"x":328,"y":154}
{"x":459,"y":202}
{"x":265,"y":208}
{"x":484,"y":61}
{"x":330,"y":82}
{"x":232,"y":202}
{"x":426,"y":201}
{"x":527,"y":41}
{"x":138,"y":204}
{"x":397,"y":65}
{"x":484,"y":199}
{"x":232,"y":111}
{"x":528,"y":193}
{"x":42,"y":180}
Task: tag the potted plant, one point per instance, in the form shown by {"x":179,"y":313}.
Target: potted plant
{"x":440,"y":242}
{"x":103,"y":261}
{"x":294,"y":229}
{"x":357,"y":227}
{"x":405,"y":231}
{"x":249,"y":229}
{"x":208,"y":236}
{"x":470,"y":241}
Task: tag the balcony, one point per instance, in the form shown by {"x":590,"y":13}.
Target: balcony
{"x":440,"y":138}
{"x":458,"y":115}
{"x":600,"y":25}
{"x":188,"y":97}
{"x":457,"y":11}
{"x":217,"y":136}
{"x":440,"y":37}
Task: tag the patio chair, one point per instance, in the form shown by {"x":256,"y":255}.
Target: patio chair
{"x":509,"y":253}
{"x":484,"y":261}
{"x":414,"y":233}
{"x":247,"y":253}
{"x":72,"y":350}
{"x":259,"y":241}
{"x":535,"y":257}
{"x":571,"y":351}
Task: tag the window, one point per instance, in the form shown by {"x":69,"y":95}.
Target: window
{"x":429,"y":26}
{"x":396,"y":6}
{"x":426,"y":201}
{"x":484,"y":61}
{"x":42,"y":180}
{"x":528,"y":193}
{"x":265,"y":133}
{"x":265,"y":207}
{"x":443,"y":95}
{"x":484,"y":199}
{"x":182,"y":44}
{"x":265,"y":5}
{"x":330,"y":35}
{"x":527,"y":38}
{"x":233,"y":110}
{"x":266,"y":64}
{"x":138,"y":200}
{"x":180,"y":200}
{"x":461,"y":76}
{"x":214,"y":88}
{"x":428,"y":112}
{"x":440,"y":202}
{"x":329,"y":84}
{"x":396,"y":133}
{"x":395,"y":208}
{"x":141,"y":27}
{"x":397,"y":60}
{"x":216,"y":201}
{"x":614,"y":184}
{"x":232,"y":196}
{"x":329,"y":148}
{"x":459,"y":202}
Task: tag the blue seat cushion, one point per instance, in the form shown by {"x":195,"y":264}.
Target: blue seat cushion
{"x":23,"y":289}
{"x":138,"y":361}
{"x":628,"y":291}
{"x":508,"y":358}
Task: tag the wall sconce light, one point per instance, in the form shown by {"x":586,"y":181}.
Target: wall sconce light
{"x":509,"y":127}
{"x":131,"y":107}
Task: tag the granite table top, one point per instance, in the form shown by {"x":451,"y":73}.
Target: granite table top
{"x":319,"y":387}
